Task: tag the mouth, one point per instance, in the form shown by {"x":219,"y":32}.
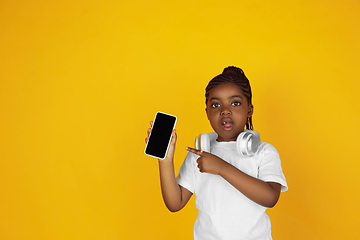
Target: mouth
{"x":227,"y":124}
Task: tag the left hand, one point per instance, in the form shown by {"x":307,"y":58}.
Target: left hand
{"x":207,"y":162}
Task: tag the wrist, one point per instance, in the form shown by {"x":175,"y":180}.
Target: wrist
{"x":165,"y":160}
{"x":224,"y":168}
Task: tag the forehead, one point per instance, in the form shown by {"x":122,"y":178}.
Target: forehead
{"x":226,"y":90}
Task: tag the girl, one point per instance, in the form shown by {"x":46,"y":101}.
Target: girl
{"x":232,"y":191}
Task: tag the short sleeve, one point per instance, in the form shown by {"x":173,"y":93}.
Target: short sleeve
{"x":186,"y":177}
{"x":269,"y":165}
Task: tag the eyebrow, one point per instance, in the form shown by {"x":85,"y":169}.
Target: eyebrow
{"x":234,"y":96}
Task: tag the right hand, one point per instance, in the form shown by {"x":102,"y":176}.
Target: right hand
{"x":171,"y":150}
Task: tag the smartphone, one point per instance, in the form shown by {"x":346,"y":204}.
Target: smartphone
{"x":160,"y":135}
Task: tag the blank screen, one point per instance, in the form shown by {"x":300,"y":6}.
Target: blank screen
{"x":160,"y":135}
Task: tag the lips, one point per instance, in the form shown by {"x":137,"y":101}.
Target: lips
{"x":227,"y":124}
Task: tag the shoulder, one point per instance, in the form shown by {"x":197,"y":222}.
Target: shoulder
{"x":266,"y":152}
{"x":190,"y":160}
{"x":191,"y":156}
{"x":266,"y":147}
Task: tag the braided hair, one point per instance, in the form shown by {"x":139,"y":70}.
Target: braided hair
{"x":234,"y":75}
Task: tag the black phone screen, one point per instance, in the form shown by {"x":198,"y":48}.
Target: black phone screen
{"x":160,"y":135}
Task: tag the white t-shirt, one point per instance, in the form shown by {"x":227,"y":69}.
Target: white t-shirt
{"x":224,"y":212}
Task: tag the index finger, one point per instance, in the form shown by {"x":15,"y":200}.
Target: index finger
{"x":193,"y":150}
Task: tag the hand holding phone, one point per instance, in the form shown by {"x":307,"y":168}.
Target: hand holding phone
{"x":160,"y":135}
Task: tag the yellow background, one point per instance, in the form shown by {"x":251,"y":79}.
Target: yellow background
{"x":80,"y":80}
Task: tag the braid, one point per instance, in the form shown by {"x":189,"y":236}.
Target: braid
{"x":232,"y":75}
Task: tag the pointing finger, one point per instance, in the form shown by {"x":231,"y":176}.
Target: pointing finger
{"x":195,"y":151}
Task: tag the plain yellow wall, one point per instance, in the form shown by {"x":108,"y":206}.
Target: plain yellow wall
{"x":80,"y":80}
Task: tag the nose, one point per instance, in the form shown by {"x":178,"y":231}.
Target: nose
{"x":225,"y":112}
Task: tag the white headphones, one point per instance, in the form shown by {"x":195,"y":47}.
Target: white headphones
{"x":247,"y":143}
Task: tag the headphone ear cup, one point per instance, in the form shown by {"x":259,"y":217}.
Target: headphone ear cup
{"x":247,"y":143}
{"x":197,"y":142}
{"x":202,"y":142}
{"x":205,"y":142}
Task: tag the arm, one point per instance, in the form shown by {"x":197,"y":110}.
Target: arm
{"x":175,"y":197}
{"x":263,"y":193}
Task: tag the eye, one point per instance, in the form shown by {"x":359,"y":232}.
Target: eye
{"x":215,"y":105}
{"x":235,"y":104}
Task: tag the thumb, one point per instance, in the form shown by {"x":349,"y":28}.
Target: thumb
{"x":173,"y":137}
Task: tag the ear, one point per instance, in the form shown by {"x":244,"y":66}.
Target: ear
{"x":250,"y":110}
{"x":207,"y":115}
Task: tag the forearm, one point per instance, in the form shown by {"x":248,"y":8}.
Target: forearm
{"x":171,"y":191}
{"x":263,"y":193}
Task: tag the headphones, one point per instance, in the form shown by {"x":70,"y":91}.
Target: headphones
{"x":247,"y":143}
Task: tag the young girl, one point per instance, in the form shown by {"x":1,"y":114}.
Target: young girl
{"x":232,"y":191}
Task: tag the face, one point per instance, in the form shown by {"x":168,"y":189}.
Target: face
{"x":227,"y":110}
